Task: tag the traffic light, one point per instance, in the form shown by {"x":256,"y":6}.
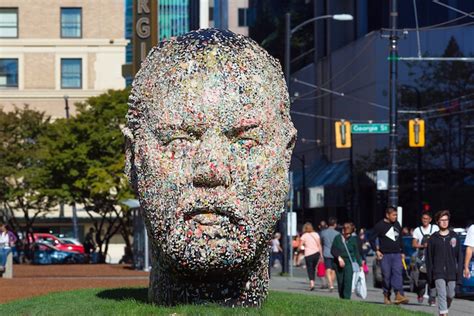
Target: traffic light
{"x":343,"y":134}
{"x":416,"y":133}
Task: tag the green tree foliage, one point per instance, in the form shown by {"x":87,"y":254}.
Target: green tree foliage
{"x":23,"y":170}
{"x":86,"y":158}
{"x":449,"y":88}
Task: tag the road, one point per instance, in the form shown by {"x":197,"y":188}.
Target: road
{"x":299,"y":284}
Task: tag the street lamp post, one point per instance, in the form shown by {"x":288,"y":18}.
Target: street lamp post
{"x":288,"y":33}
{"x":393,"y":104}
{"x":75,"y":227}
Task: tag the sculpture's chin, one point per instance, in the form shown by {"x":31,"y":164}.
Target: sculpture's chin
{"x":206,"y":255}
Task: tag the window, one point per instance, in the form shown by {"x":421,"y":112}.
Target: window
{"x":243,"y":17}
{"x":71,"y":73}
{"x":8,"y":73}
{"x":71,"y":22}
{"x":8,"y":22}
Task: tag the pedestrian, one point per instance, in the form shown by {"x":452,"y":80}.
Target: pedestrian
{"x":444,"y":259}
{"x":345,"y":251}
{"x":469,"y":243}
{"x":298,"y":251}
{"x":421,"y":235}
{"x":7,"y":242}
{"x":312,"y":251}
{"x":327,"y":238}
{"x":389,"y":250}
{"x":90,"y":246}
{"x":277,"y":251}
{"x":322,"y":226}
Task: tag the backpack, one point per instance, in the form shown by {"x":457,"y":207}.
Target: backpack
{"x":421,"y":258}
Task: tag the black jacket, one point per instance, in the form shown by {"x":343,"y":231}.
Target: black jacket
{"x":444,"y":257}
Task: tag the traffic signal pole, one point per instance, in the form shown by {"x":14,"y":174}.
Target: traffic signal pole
{"x":393,"y":102}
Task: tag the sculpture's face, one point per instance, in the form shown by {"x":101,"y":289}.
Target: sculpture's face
{"x":210,"y":155}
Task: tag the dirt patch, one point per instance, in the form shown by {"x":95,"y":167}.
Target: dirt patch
{"x":33,"y":280}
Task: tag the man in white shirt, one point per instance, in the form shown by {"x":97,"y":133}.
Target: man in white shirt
{"x":421,"y":234}
{"x":469,"y":243}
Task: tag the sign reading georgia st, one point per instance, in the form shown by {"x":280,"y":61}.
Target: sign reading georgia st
{"x":374,"y":128}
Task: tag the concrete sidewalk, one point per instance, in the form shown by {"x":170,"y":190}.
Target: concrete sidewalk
{"x":299,"y":284}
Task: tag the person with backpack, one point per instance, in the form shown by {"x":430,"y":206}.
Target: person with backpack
{"x":421,"y":235}
{"x":444,"y":261}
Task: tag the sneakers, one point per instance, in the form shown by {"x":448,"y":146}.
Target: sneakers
{"x":432,"y":302}
{"x":400,"y":299}
{"x":420,"y":299}
{"x":386,"y":299}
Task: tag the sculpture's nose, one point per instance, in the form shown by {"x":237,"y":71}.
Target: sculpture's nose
{"x":211,"y":162}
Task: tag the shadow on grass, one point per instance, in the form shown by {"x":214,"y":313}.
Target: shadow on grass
{"x":124,"y":294}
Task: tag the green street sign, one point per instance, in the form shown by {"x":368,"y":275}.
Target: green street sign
{"x":375,"y":128}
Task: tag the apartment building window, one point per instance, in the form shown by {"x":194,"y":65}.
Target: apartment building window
{"x":71,"y":73}
{"x":71,"y":22}
{"x":243,"y":17}
{"x":8,"y":73}
{"x":8,"y":22}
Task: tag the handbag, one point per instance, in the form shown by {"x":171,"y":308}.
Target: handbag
{"x":321,"y":270}
{"x":365,"y":267}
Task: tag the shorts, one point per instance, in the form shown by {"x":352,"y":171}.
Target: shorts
{"x":329,"y":263}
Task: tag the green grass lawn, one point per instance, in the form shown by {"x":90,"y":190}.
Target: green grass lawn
{"x":132,"y":301}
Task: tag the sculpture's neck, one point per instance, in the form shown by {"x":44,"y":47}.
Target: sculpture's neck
{"x":246,"y":289}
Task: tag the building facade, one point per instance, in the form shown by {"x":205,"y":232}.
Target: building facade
{"x":54,"y":52}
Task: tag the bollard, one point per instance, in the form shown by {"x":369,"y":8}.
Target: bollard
{"x":8,"y":273}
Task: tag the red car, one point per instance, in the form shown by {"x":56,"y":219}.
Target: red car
{"x":56,"y":242}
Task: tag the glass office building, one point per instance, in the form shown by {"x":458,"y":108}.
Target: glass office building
{"x":173,"y":18}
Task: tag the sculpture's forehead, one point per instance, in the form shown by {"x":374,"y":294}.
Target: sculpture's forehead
{"x":215,"y":97}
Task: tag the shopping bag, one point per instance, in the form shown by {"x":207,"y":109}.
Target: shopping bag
{"x":321,"y":269}
{"x":360,"y":285}
{"x":365,"y":267}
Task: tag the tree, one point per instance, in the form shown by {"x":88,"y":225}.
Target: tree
{"x":449,"y":87}
{"x":86,"y":156}
{"x":23,"y":171}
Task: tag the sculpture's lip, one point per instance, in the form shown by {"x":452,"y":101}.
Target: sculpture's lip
{"x":211,"y":215}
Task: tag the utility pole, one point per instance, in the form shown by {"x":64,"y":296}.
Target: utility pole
{"x":393,"y":102}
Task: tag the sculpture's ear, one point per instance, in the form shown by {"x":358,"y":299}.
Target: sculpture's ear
{"x":291,"y":137}
{"x":130,"y":168}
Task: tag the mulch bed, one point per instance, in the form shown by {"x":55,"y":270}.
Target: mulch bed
{"x":33,"y":280}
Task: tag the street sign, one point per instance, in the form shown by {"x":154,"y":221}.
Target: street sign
{"x":374,"y":128}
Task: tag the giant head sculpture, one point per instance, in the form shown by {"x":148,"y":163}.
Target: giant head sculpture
{"x":209,"y":144}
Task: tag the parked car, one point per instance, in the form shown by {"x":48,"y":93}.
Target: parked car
{"x":408,"y":250}
{"x":71,"y":241}
{"x":56,"y":242}
{"x":467,"y":286}
{"x":45,"y":253}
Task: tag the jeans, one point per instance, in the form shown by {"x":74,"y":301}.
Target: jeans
{"x":3,"y":255}
{"x":446,"y":292}
{"x":392,"y":272}
{"x":276,"y":256}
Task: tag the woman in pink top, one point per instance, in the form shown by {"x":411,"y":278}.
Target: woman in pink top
{"x":312,"y":251}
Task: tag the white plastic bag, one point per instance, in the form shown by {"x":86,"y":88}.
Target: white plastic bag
{"x":360,"y":285}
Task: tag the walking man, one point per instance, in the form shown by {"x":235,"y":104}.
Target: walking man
{"x":469,"y":243}
{"x":327,"y":238}
{"x":389,"y":250}
{"x":421,"y":235}
{"x":444,"y":259}
{"x":277,"y":251}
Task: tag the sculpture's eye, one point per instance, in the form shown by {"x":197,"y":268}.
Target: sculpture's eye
{"x":247,"y":142}
{"x":178,"y":140}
